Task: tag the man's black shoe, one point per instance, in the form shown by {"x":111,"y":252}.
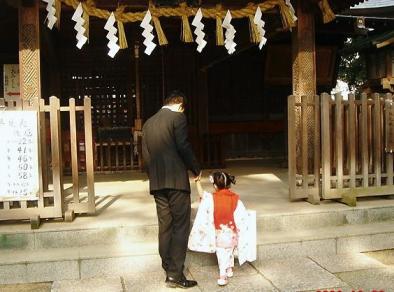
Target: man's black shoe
{"x":181,"y":283}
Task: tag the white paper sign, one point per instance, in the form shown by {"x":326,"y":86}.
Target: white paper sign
{"x":11,"y":81}
{"x":19,"y":177}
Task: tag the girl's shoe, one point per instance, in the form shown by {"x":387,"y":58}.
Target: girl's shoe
{"x":222,"y":281}
{"x":229,"y":272}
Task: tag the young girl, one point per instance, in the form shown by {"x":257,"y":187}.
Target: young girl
{"x":222,"y":224}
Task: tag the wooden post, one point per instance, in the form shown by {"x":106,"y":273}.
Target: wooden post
{"x":138,"y":105}
{"x":43,"y":153}
{"x":291,"y":146}
{"x":326,"y":149}
{"x":352,"y":140}
{"x":56,"y":149}
{"x":304,"y":143}
{"x":202,"y":116}
{"x":137,"y":121}
{"x":29,"y":53}
{"x":339,"y":140}
{"x":389,"y":156}
{"x":377,"y":140}
{"x":304,"y":76}
{"x":303,"y":48}
{"x":87,"y":112}
{"x":74,"y":151}
{"x":364,"y":139}
{"x":317,"y":142}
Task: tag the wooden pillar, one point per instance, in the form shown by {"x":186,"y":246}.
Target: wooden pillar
{"x":138,"y":116}
{"x":202,"y":115}
{"x":304,"y":82}
{"x":29,"y":52}
{"x":304,"y":52}
{"x":138,"y":104}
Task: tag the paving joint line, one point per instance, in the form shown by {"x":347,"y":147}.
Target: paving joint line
{"x":334,"y":274}
{"x":191,"y":274}
{"x":260,"y":273}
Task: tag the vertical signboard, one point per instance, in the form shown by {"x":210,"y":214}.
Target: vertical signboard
{"x":11,"y":81}
{"x":19,"y":172}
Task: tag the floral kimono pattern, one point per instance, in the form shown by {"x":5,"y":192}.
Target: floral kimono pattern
{"x":203,"y":234}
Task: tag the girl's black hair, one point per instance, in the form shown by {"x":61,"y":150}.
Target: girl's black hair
{"x":222,"y":180}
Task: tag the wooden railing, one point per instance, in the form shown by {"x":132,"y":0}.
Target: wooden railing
{"x":345,"y":156}
{"x":353,"y":152}
{"x":52,"y":201}
{"x":111,"y":156}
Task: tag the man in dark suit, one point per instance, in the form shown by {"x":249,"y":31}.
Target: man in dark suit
{"x":167,"y":158}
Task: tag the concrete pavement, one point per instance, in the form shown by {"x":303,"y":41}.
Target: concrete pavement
{"x":348,"y":272}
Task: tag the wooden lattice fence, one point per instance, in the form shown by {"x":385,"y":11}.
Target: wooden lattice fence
{"x":353,"y":157}
{"x":53,"y":200}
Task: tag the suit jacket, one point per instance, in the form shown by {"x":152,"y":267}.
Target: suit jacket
{"x":166,"y":152}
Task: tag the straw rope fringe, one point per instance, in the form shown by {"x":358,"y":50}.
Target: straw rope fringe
{"x":326,"y":10}
{"x":85,"y":17}
{"x":122,"y":36}
{"x":121,"y":32}
{"x":286,"y":14}
{"x":58,"y":7}
{"x":159,"y":30}
{"x":187,"y":35}
{"x":219,"y":32}
{"x":180,"y":11}
{"x":254,"y":33}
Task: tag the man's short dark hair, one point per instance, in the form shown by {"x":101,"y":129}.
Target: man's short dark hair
{"x":175,"y":97}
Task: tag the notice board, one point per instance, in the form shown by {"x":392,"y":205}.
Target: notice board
{"x":19,"y":169}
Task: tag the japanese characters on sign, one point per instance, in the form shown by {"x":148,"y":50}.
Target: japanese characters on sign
{"x":18,"y":155}
{"x":11,"y":81}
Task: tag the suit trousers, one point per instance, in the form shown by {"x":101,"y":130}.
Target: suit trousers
{"x":173,"y":212}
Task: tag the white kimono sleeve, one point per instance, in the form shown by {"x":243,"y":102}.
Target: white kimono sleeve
{"x":202,"y":236}
{"x":245,"y":221}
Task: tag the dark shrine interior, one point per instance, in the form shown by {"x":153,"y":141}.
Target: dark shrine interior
{"x":240,"y":97}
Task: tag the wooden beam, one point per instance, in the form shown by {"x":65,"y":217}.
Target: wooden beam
{"x":385,"y":43}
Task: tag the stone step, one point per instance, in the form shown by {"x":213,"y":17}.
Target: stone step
{"x":50,"y":264}
{"x":63,"y":235}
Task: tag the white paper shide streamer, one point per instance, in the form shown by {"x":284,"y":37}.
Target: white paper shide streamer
{"x":77,"y":17}
{"x":199,"y":31}
{"x":51,"y":18}
{"x":147,"y":33}
{"x":260,"y":27}
{"x":111,"y":36}
{"x":230,"y":33}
